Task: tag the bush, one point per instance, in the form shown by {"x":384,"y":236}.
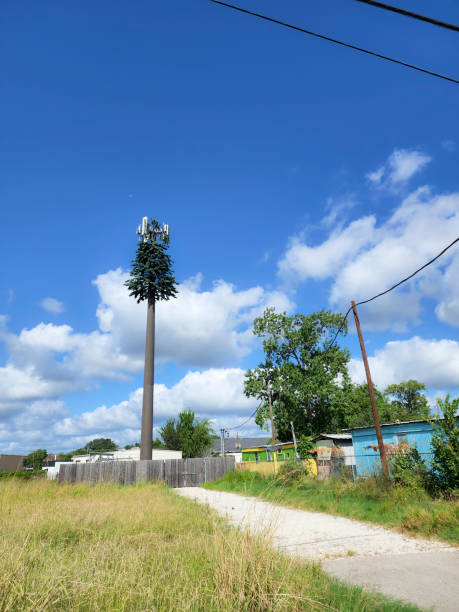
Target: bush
{"x":408,"y":467}
{"x":23,"y":474}
{"x":291,"y":472}
{"x":444,"y":475}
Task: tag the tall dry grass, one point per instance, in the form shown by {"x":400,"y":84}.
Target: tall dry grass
{"x":109,"y":548}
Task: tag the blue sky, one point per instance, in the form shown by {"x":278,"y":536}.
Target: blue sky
{"x":292,"y":173}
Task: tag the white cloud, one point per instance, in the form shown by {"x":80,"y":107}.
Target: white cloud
{"x":52,"y":305}
{"x":363,"y":259}
{"x":302,"y":261}
{"x":433,"y":362}
{"x":399,"y":168}
{"x":216,"y":394}
{"x":198,"y":328}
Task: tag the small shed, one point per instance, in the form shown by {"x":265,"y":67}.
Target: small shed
{"x":417,"y":434}
{"x":334,"y":452}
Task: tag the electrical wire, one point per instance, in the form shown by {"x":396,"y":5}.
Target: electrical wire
{"x":244,"y":422}
{"x":335,"y":41}
{"x":404,"y":280}
{"x":400,"y":11}
{"x":390,"y":289}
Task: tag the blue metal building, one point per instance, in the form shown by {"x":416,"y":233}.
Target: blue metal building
{"x":417,"y":434}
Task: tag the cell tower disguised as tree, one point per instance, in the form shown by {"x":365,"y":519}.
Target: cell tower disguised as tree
{"x":151,"y":279}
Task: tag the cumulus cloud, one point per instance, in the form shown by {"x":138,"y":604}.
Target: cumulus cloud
{"x":52,"y":305}
{"x":433,"y":362}
{"x":364,"y":258}
{"x":399,"y":168}
{"x":216,"y":393}
{"x":198,"y":328}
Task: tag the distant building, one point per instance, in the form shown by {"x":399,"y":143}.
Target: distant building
{"x":417,"y":434}
{"x":264,"y":452}
{"x":53,"y":470}
{"x":333,"y":452}
{"x":234,"y":446}
{"x":50,"y":460}
{"x":12,"y":463}
{"x":131,"y":454}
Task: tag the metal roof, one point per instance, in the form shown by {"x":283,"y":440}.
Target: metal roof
{"x":235,"y":445}
{"x":338,"y":436}
{"x":391,"y":424}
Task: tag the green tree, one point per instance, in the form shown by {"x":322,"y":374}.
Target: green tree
{"x":305,"y":371}
{"x":358,"y":410}
{"x":35,"y":459}
{"x":188,"y":434}
{"x":445,"y":447}
{"x":407,"y":401}
{"x":151,"y":280}
{"x":100,"y":445}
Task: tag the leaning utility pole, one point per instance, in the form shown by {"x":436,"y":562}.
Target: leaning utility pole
{"x":294,"y":439}
{"x":382,"y":450}
{"x":151,"y":280}
{"x":273,"y":435}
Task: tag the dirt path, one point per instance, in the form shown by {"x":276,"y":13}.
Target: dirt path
{"x":361,"y":553}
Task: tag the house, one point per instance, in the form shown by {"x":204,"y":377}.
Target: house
{"x":52,"y":471}
{"x":12,"y":463}
{"x":234,"y":446}
{"x":417,"y":434}
{"x":284,"y":451}
{"x":50,"y":460}
{"x":333,"y":453}
{"x":131,"y":454}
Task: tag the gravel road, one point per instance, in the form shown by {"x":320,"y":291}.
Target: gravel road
{"x":351,"y":550}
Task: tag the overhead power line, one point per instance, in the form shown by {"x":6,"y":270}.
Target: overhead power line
{"x":404,"y":280}
{"x":400,"y":11}
{"x":335,"y":41}
{"x":244,"y":422}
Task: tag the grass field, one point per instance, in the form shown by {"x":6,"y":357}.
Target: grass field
{"x":411,"y":511}
{"x":109,"y":548}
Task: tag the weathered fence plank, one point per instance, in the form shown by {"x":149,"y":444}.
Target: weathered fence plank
{"x":174,"y":472}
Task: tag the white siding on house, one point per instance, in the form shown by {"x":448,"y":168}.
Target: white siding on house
{"x":131,"y":454}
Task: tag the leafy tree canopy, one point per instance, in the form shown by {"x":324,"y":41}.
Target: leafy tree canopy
{"x":302,"y":370}
{"x":407,"y":401}
{"x":188,"y":434}
{"x":36,"y":458}
{"x":445,"y":447}
{"x":100,"y":445}
{"x":358,"y":410}
{"x":151,"y":277}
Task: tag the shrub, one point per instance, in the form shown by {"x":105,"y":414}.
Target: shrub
{"x":291,"y":472}
{"x":444,"y":475}
{"x":23,"y":474}
{"x":408,"y":467}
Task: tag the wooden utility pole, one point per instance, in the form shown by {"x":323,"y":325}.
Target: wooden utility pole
{"x":294,"y":439}
{"x":382,"y":450}
{"x":273,"y":436}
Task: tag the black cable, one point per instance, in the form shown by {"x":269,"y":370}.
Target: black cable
{"x":366,"y":302}
{"x":390,"y":289}
{"x":400,"y":11}
{"x":244,"y":422}
{"x":337,"y":42}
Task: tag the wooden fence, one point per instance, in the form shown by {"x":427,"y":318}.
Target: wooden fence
{"x":174,"y":472}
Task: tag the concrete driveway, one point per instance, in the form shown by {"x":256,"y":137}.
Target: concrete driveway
{"x":423,"y":572}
